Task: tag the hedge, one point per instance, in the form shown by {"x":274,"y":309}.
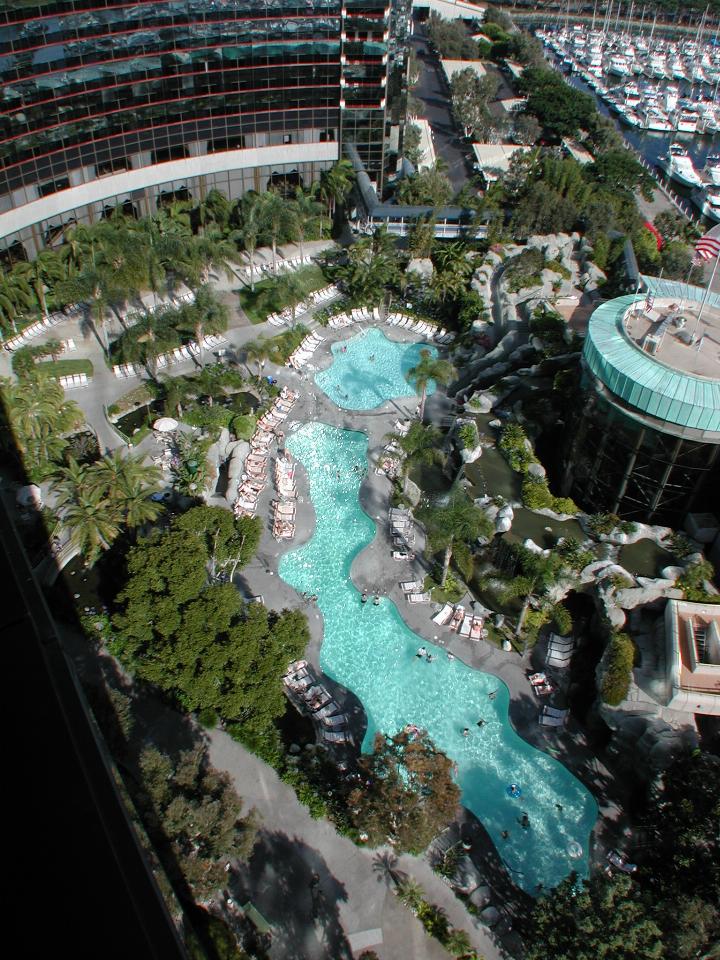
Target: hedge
{"x":616,"y":681}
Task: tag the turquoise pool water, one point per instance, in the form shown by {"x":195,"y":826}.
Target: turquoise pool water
{"x":370,"y":650}
{"x":354,"y":381}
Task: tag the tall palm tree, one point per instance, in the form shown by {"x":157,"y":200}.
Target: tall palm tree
{"x":92,"y":523}
{"x":215,"y":208}
{"x":249,"y":213}
{"x":38,"y":417}
{"x":278,"y":219}
{"x":336,"y":184}
{"x":16,"y":298}
{"x":459,"y":519}
{"x":213,"y":252}
{"x":256,"y":351}
{"x":429,"y":368}
{"x":174,"y":393}
{"x":42,"y":273}
{"x":420,"y":444}
{"x":207,"y":317}
{"x":308,"y":212}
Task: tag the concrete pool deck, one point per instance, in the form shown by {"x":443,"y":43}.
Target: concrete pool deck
{"x":374,"y":570}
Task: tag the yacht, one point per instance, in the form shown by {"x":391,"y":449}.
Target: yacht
{"x":654,"y":119}
{"x":619,"y":66}
{"x":679,"y":167}
{"x":712,"y":168}
{"x":685,"y":122}
{"x":708,"y":202}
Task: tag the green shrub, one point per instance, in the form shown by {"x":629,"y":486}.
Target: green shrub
{"x":679,"y":545}
{"x":513,"y":443}
{"x":565,"y":505}
{"x":468,"y":435}
{"x":212,"y":419}
{"x":620,"y":581}
{"x":573,"y":554}
{"x":692,"y":582}
{"x":243,"y":426}
{"x":603,"y":524}
{"x":558,"y":267}
{"x":562,"y":619}
{"x":536,"y":493}
{"x":207,"y":718}
{"x":616,"y":681}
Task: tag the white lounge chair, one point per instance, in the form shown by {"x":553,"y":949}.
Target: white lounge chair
{"x":418,"y":597}
{"x":444,"y":616}
{"x":411,"y":586}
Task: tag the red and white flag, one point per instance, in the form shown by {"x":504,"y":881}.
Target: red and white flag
{"x":707,"y":247}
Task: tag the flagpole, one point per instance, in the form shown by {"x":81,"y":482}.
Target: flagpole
{"x":705,"y":297}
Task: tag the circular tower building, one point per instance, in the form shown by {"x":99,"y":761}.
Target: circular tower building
{"x":646,"y":444}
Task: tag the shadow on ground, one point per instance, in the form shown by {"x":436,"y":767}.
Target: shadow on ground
{"x":291,"y":886}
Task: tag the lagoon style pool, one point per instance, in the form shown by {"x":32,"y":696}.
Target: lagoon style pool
{"x":369,"y":369}
{"x":370,"y":650}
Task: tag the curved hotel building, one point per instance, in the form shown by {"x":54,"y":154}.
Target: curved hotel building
{"x":647,"y":442}
{"x":107,"y":102}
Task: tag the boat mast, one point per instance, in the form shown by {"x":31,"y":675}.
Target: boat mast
{"x":652,"y":29}
{"x":617,"y":18}
{"x":594,"y":12}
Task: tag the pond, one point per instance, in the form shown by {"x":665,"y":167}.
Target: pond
{"x":645,"y":558}
{"x":135,"y":419}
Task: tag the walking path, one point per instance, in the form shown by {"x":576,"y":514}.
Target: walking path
{"x":353,"y":906}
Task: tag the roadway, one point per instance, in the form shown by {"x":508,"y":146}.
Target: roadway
{"x":432,"y":91}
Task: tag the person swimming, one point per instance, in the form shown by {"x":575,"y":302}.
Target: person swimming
{"x":363,"y":598}
{"x":422,"y":652}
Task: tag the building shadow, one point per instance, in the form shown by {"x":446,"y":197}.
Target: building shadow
{"x":291,"y":885}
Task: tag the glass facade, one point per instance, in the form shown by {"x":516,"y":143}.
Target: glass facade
{"x":619,"y":464}
{"x":90,"y":87}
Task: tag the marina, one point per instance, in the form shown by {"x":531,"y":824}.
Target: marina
{"x":662,"y":94}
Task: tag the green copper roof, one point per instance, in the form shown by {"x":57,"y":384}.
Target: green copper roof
{"x":644,"y":382}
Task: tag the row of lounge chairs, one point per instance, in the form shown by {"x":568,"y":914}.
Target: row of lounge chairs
{"x":73,"y":312}
{"x":389,"y":461}
{"x":304,"y":689}
{"x":300,"y":356}
{"x":423,"y":327}
{"x":355,"y":315}
{"x":254,"y":477}
{"x":454,"y":618}
{"x":151,"y":304}
{"x":553,"y":717}
{"x":124,"y":370}
{"x":285,"y":477}
{"x":560,"y":651}
{"x":74,"y":380}
{"x":314,"y":299}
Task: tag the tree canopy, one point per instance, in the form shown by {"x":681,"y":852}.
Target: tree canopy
{"x":195,"y":638}
{"x":407,"y":793}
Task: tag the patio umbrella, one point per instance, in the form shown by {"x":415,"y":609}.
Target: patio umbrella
{"x":165,"y":425}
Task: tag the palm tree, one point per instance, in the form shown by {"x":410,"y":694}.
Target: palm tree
{"x":289,"y":289}
{"x":42,"y":274}
{"x":16,"y":298}
{"x":38,"y":418}
{"x":308,"y":213}
{"x":336,"y":184}
{"x":215,"y":208}
{"x":429,"y":368}
{"x":458,"y":943}
{"x":421,"y":445}
{"x":249,"y":212}
{"x":410,"y":893}
{"x":460,"y":519}
{"x":206,"y":317}
{"x":256,"y":351}
{"x":92,"y":522}
{"x":174,"y":393}
{"x":278,"y":219}
{"x":213,"y":252}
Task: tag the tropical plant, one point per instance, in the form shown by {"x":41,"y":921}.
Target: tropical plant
{"x":39,"y":419}
{"x":616,"y":678}
{"x":16,"y":299}
{"x":458,"y":520}
{"x":279,"y":220}
{"x":336,"y":184}
{"x":206,"y":316}
{"x":429,"y":368}
{"x":308,"y":213}
{"x":249,"y":212}
{"x":421,"y":445}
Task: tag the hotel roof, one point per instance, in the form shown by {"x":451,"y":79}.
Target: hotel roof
{"x":646,"y":355}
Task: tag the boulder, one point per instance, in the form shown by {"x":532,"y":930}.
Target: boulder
{"x":412,"y":492}
{"x":422,"y":268}
{"x":671,"y":573}
{"x":480,"y":403}
{"x":536,"y":469}
{"x":506,"y":511}
{"x":648,"y":592}
{"x":503,"y":524}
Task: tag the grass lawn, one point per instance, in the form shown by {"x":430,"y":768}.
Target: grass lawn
{"x":66,"y":368}
{"x":268,"y":296}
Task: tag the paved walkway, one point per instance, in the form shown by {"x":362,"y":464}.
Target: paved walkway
{"x":353,"y":906}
